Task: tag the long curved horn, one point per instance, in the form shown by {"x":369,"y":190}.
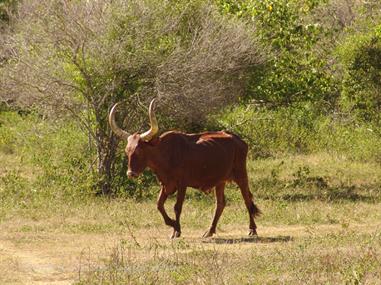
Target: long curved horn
{"x":114,"y":127}
{"x":151,"y":133}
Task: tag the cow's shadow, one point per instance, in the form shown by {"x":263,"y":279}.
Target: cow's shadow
{"x":259,"y":239}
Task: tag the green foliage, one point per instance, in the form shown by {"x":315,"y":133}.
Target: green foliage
{"x":296,"y":70}
{"x":360,"y":55}
{"x":56,"y":152}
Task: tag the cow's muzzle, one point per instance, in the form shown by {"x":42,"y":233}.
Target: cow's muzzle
{"x":132,"y":174}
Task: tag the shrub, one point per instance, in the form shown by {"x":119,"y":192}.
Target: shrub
{"x":360,"y":56}
{"x":296,"y":70}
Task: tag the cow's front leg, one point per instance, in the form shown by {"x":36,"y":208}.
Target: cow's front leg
{"x":178,"y":207}
{"x":160,"y":206}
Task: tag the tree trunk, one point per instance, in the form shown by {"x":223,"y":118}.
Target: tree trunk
{"x":106,"y":155}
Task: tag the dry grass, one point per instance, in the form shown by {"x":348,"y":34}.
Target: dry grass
{"x":334,"y":254}
{"x":115,"y":242}
{"x":271,"y":259}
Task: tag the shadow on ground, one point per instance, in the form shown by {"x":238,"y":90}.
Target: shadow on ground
{"x":259,"y":239}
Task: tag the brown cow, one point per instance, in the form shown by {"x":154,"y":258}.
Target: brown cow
{"x":180,"y":160}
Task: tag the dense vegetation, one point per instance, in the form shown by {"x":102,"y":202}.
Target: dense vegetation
{"x":288,"y":76}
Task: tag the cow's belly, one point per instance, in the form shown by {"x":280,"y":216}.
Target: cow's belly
{"x":206,"y":174}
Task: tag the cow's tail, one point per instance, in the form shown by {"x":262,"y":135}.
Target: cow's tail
{"x":254,"y":210}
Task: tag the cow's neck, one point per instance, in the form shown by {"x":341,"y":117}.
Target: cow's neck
{"x":158,"y":161}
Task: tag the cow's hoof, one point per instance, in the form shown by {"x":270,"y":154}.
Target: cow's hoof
{"x":175,"y":234}
{"x":253,"y":233}
{"x":208,"y":234}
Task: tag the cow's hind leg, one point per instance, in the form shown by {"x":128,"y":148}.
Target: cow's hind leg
{"x":253,"y":210}
{"x":220,"y":205}
{"x":178,"y":207}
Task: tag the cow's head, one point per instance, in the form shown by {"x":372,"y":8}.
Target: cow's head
{"x":137,"y":144}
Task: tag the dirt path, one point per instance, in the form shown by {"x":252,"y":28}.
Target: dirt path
{"x":33,"y":266}
{"x":53,"y":258}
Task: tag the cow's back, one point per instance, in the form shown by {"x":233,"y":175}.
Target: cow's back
{"x":206,"y":159}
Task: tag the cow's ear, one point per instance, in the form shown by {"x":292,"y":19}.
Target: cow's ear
{"x":155,"y":141}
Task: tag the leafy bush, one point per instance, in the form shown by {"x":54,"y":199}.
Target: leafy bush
{"x":360,"y":55}
{"x":296,"y":70}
